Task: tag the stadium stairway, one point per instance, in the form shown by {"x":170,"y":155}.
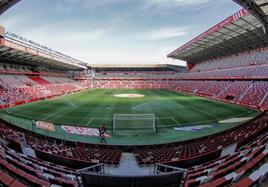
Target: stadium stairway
{"x":129,"y":166}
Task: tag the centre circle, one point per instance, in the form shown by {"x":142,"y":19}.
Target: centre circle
{"x":129,"y":95}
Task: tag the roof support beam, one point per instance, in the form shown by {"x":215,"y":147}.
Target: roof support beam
{"x":255,"y":10}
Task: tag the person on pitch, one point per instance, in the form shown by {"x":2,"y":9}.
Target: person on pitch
{"x":104,"y":128}
{"x":102,"y":131}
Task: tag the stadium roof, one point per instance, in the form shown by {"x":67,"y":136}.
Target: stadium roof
{"x":137,"y":66}
{"x":238,"y":33}
{"x":258,"y":8}
{"x":127,"y":65}
{"x":16,"y":49}
{"x":6,"y":4}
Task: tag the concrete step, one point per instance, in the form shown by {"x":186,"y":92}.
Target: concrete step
{"x":129,"y":166}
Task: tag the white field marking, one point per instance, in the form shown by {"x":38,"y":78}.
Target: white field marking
{"x":206,"y":121}
{"x":89,"y":121}
{"x":101,"y":118}
{"x":236,"y":120}
{"x":93,"y":118}
{"x":205,"y":112}
{"x":174,"y":120}
{"x":53,"y":114}
{"x":163,"y":118}
{"x":129,"y":95}
{"x":58,"y":112}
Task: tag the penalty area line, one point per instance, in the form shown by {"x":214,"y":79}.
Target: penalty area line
{"x":55,"y":113}
{"x":174,"y":120}
{"x":204,"y":112}
{"x":89,"y":121}
{"x":94,"y":118}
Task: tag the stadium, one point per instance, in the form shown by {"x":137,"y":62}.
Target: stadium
{"x":65,"y":122}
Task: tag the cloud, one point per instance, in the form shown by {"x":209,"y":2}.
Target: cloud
{"x":12,"y":22}
{"x":72,"y":5}
{"x":153,"y":5}
{"x":163,"y":7}
{"x":83,"y":36}
{"x":177,"y":2}
{"x":164,"y":33}
{"x":122,"y":34}
{"x":101,"y":44}
{"x":97,"y":3}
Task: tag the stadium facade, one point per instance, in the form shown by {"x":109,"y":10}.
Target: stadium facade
{"x":227,"y":66}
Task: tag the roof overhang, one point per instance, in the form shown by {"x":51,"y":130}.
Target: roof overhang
{"x":13,"y":53}
{"x":17,"y":50}
{"x":258,"y":8}
{"x":6,"y":4}
{"x":240,"y":32}
{"x":138,"y":66}
{"x":127,"y":65}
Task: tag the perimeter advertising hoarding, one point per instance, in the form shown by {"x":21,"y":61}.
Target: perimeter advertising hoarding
{"x":86,"y":131}
{"x":45,"y":125}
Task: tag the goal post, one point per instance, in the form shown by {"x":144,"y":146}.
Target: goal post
{"x":134,"y":122}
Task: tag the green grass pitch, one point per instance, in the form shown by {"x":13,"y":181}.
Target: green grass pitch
{"x":92,"y":108}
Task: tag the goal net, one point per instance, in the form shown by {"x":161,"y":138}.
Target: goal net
{"x":134,"y":122}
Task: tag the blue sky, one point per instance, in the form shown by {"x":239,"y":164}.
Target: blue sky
{"x":115,"y":31}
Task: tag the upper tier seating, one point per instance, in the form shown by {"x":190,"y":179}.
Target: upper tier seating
{"x":247,"y":72}
{"x":136,"y":74}
{"x":29,"y":70}
{"x":240,"y":60}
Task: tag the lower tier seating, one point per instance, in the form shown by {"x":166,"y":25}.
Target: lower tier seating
{"x":248,"y":93}
{"x":51,"y":149}
{"x":20,"y":170}
{"x":230,"y":169}
{"x":244,"y":166}
{"x":18,"y":89}
{"x":202,"y":147}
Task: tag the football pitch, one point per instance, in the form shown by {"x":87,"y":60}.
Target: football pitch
{"x":174,"y":113}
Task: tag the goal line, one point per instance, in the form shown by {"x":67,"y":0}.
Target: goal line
{"x":134,"y":122}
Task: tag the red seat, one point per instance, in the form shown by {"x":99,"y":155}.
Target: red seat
{"x":17,"y":184}
{"x":220,"y":182}
{"x":259,"y":158}
{"x":30,"y":178}
{"x":209,"y":184}
{"x":20,"y":172}
{"x":42,"y":183}
{"x":6,"y":179}
{"x":245,"y":182}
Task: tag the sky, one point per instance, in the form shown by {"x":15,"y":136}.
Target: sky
{"x":115,"y":31}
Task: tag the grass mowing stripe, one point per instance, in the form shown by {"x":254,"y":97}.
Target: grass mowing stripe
{"x":88,"y":108}
{"x":82,"y":107}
